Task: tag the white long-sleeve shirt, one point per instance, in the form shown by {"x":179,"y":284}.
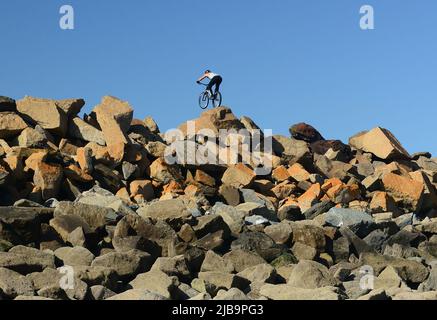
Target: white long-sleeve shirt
{"x":211,"y":75}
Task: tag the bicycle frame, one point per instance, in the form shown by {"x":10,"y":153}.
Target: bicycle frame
{"x":210,"y":95}
{"x":205,"y":85}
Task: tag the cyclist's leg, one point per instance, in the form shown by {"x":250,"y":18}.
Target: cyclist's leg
{"x":209,"y":86}
{"x":217,"y":85}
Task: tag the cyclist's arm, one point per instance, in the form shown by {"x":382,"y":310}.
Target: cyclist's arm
{"x":201,"y":78}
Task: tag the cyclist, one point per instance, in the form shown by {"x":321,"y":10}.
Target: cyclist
{"x":215,"y":79}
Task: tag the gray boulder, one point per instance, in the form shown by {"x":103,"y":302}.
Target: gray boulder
{"x":359,"y":222}
{"x":310,"y":275}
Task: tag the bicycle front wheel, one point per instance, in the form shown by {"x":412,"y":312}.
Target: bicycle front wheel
{"x":217,"y":102}
{"x":203,"y":100}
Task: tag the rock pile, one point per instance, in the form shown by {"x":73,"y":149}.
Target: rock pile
{"x":90,"y":209}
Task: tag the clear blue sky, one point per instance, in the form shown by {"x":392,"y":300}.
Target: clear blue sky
{"x":283,"y":61}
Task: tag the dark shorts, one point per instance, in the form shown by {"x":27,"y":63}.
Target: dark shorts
{"x":217,"y":80}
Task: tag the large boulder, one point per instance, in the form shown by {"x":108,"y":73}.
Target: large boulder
{"x":387,"y":279}
{"x":380,"y":142}
{"x":156,"y":148}
{"x":233,"y":217}
{"x":44,"y":112}
{"x":151,"y":124}
{"x":309,"y":234}
{"x":350,"y":242}
{"x":114,"y":117}
{"x":96,"y":275}
{"x":242,"y":259}
{"x":12,"y":284}
{"x":281,"y":232}
{"x":298,"y":172}
{"x":431,"y":283}
{"x":11,"y":124}
{"x":74,"y":256}
{"x":337,"y":149}
{"x":428,"y":227}
{"x":108,"y":178}
{"x":310,"y":275}
{"x":305,"y":132}
{"x":408,"y":270}
{"x":100,"y":197}
{"x":163,"y":172}
{"x":71,"y":107}
{"x":142,"y":190}
{"x":7,"y":104}
{"x":359,"y":222}
{"x":72,"y":229}
{"x":303,"y":252}
{"x":173,"y":211}
{"x":231,"y":294}
{"x":292,"y":150}
{"x":80,"y":129}
{"x":134,"y":232}
{"x":156,"y":281}
{"x":31,"y":138}
{"x":95,"y":216}
{"x":214,"y":120}
{"x":430,"y":192}
{"x":382,"y":202}
{"x":333,"y":168}
{"x":318,"y":209}
{"x":215,"y":262}
{"x":310,"y":197}
{"x":137,"y":295}
{"x":26,"y":260}
{"x":127,"y":265}
{"x":20,"y":225}
{"x":258,"y":242}
{"x":47,"y":278}
{"x":404,"y":190}
{"x":173,"y":266}
{"x":50,"y":284}
{"x":222,"y":280}
{"x":261,"y":273}
{"x":143,"y":134}
{"x":48,"y":177}
{"x":288,"y":292}
{"x":427,"y":164}
{"x":101,"y":293}
{"x":230,"y":194}
{"x":209,"y":224}
{"x":238,"y":176}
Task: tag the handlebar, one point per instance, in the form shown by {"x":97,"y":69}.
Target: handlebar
{"x":203,"y":84}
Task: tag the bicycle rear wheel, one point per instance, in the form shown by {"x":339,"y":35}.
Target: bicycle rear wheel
{"x":203,"y":100}
{"x":217,"y":102}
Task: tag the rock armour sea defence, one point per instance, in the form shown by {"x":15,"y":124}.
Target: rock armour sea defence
{"x":96,"y":193}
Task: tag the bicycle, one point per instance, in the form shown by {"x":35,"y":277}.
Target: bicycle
{"x":206,"y":97}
